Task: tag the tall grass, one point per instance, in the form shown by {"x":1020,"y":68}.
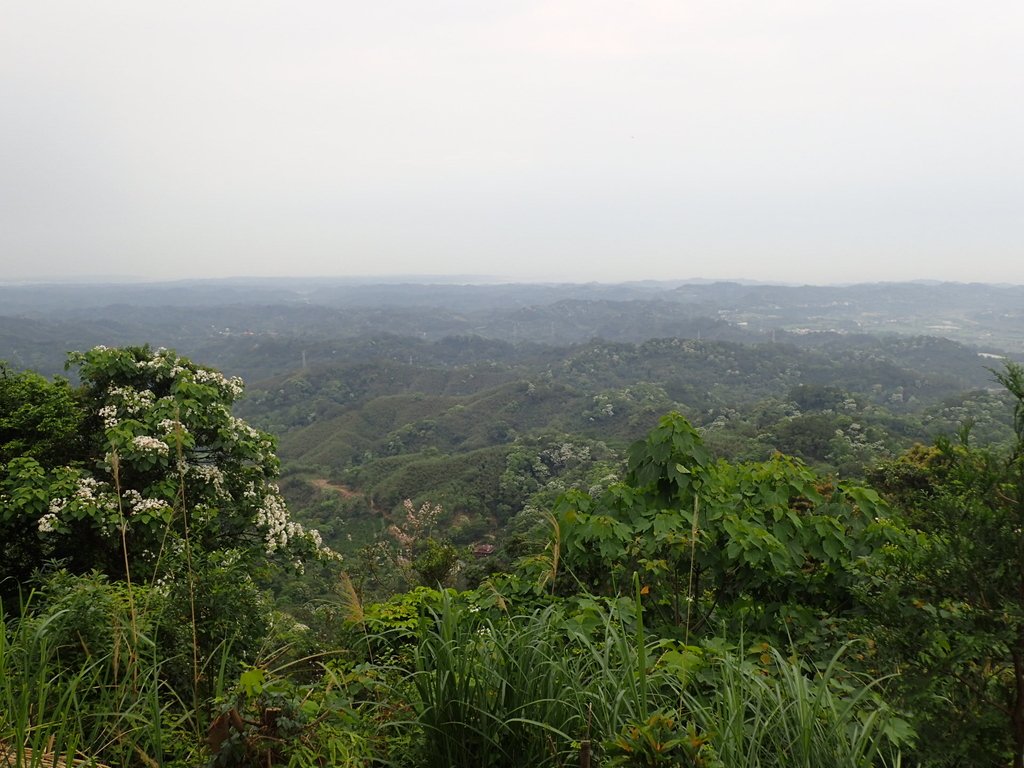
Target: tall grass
{"x":526,"y":690}
{"x":39,"y":707}
{"x":538,"y":690}
{"x":490,"y":693}
{"x":781,"y":716}
{"x":61,"y":700}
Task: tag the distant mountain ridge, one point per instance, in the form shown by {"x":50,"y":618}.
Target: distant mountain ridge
{"x":40,"y":323}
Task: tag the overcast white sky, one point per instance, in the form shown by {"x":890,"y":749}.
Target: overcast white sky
{"x":790,"y":140}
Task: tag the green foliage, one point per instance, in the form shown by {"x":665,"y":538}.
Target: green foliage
{"x":808,"y":437}
{"x":39,"y":426}
{"x":773,"y":713}
{"x":79,"y":676}
{"x":769,"y":546}
{"x":590,"y":663}
{"x":525,"y":690}
{"x":161,"y":508}
{"x":544,"y":689}
{"x":268,"y":719}
{"x":951,"y":604}
{"x":159,"y":465}
{"x":660,"y":741}
{"x":38,"y":419}
{"x":213,"y":607}
{"x":464,"y":482}
{"x":395,"y":418}
{"x":435,"y":562}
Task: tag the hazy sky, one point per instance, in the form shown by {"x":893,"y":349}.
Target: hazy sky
{"x":790,"y":140}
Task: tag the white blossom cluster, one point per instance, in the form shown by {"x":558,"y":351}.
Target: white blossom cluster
{"x":163,"y":420}
{"x":87,"y":489}
{"x":405,"y":540}
{"x":722,"y":419}
{"x":562,"y":455}
{"x":147,"y":444}
{"x":273,"y":517}
{"x":315,"y":538}
{"x":108,"y":413}
{"x":241,"y":428}
{"x":48,"y":523}
{"x":602,"y":485}
{"x":854,"y":439}
{"x":203,"y":376}
{"x":423,"y":519}
{"x":163,"y":365}
{"x":132,"y":401}
{"x":170,"y":426}
{"x":137,"y":503}
{"x":232,"y":387}
{"x":280,"y":529}
{"x":90,"y":495}
{"x":209,"y":475}
{"x":418,"y":524}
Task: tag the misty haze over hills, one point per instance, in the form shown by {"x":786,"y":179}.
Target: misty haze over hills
{"x":260,"y":327}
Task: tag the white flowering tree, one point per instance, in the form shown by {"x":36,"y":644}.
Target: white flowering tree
{"x":158,"y":463}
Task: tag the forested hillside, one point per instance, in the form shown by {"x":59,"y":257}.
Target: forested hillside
{"x":446,"y":392}
{"x":447,"y":421}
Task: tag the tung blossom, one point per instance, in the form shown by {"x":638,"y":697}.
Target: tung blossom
{"x":209,"y":475}
{"x":48,"y":522}
{"x":87,"y":489}
{"x":153,"y":506}
{"x":131,"y":400}
{"x":108,"y":413}
{"x":243,"y":429}
{"x":232,"y":387}
{"x":147,"y":444}
{"x":170,"y":426}
{"x":137,"y":503}
{"x":280,"y":529}
{"x":273,"y":517}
